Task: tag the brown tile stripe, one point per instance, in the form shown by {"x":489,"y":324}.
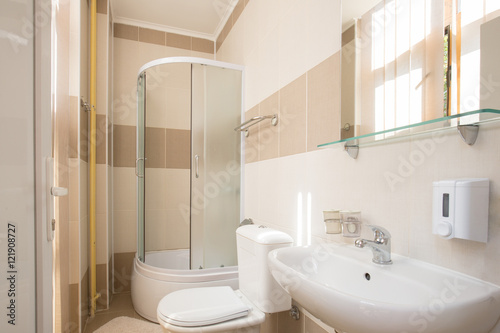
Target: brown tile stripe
{"x":309,"y":113}
{"x":122,"y":271}
{"x":151,"y":36}
{"x":102,"y":6}
{"x":126,"y":31}
{"x":231,"y":22}
{"x":165,"y":147}
{"x":74,"y":308}
{"x":102,"y":286}
{"x":155,"y":147}
{"x":163,"y":38}
{"x":124,"y":146}
{"x":178,"y":149}
{"x":84,"y":299}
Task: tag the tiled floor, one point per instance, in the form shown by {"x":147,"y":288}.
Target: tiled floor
{"x":121,"y":305}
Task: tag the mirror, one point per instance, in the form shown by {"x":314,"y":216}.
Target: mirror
{"x":393,"y":64}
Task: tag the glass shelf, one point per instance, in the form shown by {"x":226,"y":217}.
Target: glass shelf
{"x":429,"y":126}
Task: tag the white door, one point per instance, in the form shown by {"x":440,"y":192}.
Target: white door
{"x":25,"y":145}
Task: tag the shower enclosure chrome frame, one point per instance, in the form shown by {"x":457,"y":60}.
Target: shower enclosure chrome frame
{"x":141,"y":159}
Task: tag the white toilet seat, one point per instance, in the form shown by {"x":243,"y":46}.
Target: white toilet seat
{"x":213,"y":309}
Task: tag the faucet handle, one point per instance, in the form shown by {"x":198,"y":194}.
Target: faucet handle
{"x":379,"y":232}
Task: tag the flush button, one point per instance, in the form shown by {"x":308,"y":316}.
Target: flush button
{"x":444,"y":229}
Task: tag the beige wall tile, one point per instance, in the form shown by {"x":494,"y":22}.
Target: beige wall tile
{"x":323,"y":102}
{"x":269,"y":135}
{"x":84,"y":50}
{"x":74,"y":189}
{"x":103,"y":62}
{"x":84,"y":206}
{"x":252,"y":141}
{"x":312,"y":327}
{"x":74,"y":115}
{"x":74,"y":313}
{"x":178,"y":114}
{"x":124,"y":150}
{"x":156,"y":108}
{"x":101,"y":238}
{"x":124,"y":189}
{"x":122,"y":271}
{"x":124,"y":231}
{"x":84,"y":299}
{"x":157,"y":187}
{"x":178,"y":149}
{"x":202,"y":45}
{"x":270,"y":324}
{"x":101,"y":136}
{"x":155,"y":147}
{"x":166,"y":230}
{"x":179,"y":41}
{"x":74,"y":252}
{"x":126,"y":31}
{"x":287,"y":324}
{"x":84,"y":134}
{"x":152,"y":36}
{"x":178,"y":182}
{"x":292,"y":124}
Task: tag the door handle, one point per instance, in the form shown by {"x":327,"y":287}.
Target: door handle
{"x":196,"y":166}
{"x":51,"y":193}
{"x":136,"y":170}
{"x":59,"y":191}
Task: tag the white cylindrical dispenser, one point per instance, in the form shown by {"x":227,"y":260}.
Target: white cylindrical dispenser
{"x":254,"y":242}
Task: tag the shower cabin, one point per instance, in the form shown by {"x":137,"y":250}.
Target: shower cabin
{"x":189,"y":172}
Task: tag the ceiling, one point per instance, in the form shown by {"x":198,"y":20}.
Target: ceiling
{"x":201,"y":18}
{"x":197,"y":18}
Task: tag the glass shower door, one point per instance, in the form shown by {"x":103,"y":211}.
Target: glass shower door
{"x":140,"y":163}
{"x":216,"y":165}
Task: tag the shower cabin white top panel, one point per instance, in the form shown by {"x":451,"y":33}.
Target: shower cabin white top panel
{"x":193,"y":60}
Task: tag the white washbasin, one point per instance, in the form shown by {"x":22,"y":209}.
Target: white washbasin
{"x":341,"y":286}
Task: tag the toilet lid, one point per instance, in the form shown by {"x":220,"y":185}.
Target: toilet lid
{"x":201,"y":306}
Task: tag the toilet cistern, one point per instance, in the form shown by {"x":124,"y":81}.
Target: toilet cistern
{"x":380,"y":246}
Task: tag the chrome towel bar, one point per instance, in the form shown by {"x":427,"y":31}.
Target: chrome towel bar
{"x":255,"y":120}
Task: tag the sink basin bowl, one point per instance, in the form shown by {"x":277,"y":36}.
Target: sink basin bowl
{"x":341,"y":286}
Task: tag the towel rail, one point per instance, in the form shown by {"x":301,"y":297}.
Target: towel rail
{"x":255,"y":120}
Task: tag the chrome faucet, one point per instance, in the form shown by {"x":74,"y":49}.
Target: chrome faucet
{"x":381,"y":245}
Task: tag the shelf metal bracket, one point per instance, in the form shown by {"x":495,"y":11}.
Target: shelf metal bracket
{"x":352,"y":150}
{"x":468,"y":133}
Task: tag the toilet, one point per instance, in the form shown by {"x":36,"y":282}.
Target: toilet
{"x":222,"y":309}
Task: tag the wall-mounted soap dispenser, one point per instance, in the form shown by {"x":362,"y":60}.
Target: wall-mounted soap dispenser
{"x":460,"y":209}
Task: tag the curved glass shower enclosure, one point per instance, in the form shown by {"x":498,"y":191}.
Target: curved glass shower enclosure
{"x":189,"y":163}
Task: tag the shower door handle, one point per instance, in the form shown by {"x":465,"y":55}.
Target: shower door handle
{"x":136,"y":166}
{"x":196,"y":166}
